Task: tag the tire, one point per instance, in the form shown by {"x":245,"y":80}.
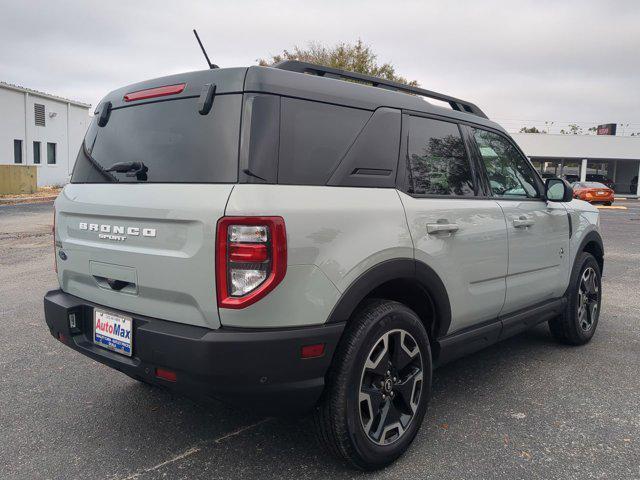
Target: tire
{"x":578,"y":323}
{"x":608,"y":204}
{"x":360,"y":389}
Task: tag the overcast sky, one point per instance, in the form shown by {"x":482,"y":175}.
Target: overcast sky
{"x":522,"y":62}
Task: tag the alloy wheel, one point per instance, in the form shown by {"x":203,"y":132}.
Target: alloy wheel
{"x":588,"y":299}
{"x":390,"y":387}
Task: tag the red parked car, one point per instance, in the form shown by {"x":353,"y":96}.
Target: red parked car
{"x":593,"y":192}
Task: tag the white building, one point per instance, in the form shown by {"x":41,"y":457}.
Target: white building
{"x":41,"y":129}
{"x":586,"y":157}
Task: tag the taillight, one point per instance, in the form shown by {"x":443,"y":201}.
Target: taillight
{"x":155,"y":92}
{"x":251,"y":259}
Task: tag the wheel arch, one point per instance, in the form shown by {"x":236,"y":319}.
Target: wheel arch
{"x":592,"y":243}
{"x":406,"y":280}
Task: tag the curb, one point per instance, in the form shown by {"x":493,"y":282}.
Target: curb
{"x":16,"y":200}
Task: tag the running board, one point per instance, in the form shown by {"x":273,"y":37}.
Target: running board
{"x":481,"y":336}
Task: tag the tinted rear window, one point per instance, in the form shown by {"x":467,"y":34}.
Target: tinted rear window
{"x":174,"y":142}
{"x":313,"y":139}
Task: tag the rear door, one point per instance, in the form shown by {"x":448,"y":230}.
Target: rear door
{"x":538,"y":230}
{"x":137,"y":223}
{"x":456,"y":230}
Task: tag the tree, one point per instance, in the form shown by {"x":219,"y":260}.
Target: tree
{"x":531,"y":130}
{"x":355,"y":57}
{"x":573,"y":129}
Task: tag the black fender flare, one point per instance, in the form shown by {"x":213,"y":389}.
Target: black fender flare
{"x":396,"y":269}
{"x":592,"y":236}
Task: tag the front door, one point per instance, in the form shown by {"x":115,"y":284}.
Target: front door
{"x":455,"y":230}
{"x":538,"y":231}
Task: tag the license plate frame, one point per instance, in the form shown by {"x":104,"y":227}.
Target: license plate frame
{"x":113,"y":331}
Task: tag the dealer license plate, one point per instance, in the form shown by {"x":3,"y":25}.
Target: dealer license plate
{"x":113,"y":331}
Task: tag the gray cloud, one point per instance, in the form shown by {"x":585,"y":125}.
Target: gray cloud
{"x":519,"y":60}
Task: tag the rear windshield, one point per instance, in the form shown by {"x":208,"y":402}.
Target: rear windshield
{"x":163,"y":142}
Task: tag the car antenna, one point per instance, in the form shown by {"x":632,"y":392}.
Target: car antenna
{"x":211,"y":65}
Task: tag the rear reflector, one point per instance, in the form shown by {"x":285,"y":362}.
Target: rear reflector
{"x":155,"y":92}
{"x":168,"y":375}
{"x":312,"y":351}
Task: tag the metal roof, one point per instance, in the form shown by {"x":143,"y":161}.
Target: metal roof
{"x":276,"y":81}
{"x":351,"y":94}
{"x":557,"y":146}
{"x":36,"y":93}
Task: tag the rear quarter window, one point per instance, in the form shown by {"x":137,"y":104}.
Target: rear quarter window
{"x":314,"y":137}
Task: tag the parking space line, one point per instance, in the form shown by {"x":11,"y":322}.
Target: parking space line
{"x":611,"y":207}
{"x":192,"y":450}
{"x":184,"y":454}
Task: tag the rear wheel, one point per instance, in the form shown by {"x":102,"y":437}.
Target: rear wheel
{"x":608,"y":203}
{"x":378,"y":386}
{"x":577,"y":325}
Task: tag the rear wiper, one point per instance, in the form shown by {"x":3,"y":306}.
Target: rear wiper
{"x":132,"y":169}
{"x":93,"y":162}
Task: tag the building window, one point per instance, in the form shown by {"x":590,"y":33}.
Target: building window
{"x":38,"y":114}
{"x":17,"y":151}
{"x":51,"y":153}
{"x":36,"y":153}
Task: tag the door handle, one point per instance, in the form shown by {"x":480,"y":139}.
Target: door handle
{"x":442,"y":226}
{"x":523,"y":221}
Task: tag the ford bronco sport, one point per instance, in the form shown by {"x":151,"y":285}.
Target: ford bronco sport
{"x":284,"y":238}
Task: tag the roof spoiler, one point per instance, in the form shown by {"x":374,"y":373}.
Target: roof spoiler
{"x":329,"y":72}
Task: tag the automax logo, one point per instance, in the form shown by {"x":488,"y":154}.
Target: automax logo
{"x":113,"y":329}
{"x":113,"y":332}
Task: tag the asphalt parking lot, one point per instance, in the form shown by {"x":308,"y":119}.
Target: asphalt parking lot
{"x":526,"y":408}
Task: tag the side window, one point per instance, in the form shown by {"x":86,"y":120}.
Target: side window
{"x":510,"y":174}
{"x":437,"y":163}
{"x":313,"y":139}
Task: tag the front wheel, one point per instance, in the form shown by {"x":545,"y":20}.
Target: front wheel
{"x":577,"y":325}
{"x":378,"y":386}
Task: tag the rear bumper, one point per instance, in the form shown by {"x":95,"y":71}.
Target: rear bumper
{"x":261,"y":369}
{"x":597,"y":199}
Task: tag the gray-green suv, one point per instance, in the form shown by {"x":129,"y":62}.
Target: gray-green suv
{"x":283,"y":238}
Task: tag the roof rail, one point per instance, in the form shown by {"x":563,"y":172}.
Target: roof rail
{"x":329,"y":72}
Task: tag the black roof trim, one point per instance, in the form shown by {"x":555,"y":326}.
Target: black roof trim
{"x":329,"y":72}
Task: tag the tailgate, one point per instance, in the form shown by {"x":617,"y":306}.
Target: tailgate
{"x":142,"y":248}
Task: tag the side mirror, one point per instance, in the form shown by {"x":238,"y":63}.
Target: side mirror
{"x":558,"y":190}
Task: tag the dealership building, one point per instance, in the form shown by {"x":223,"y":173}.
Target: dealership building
{"x":42,"y":130}
{"x":584,"y":157}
